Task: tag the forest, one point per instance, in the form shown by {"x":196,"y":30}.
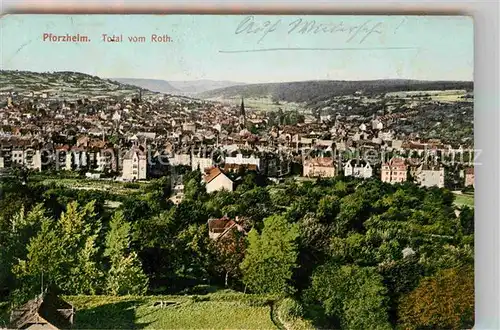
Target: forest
{"x":319,"y":90}
{"x":346,"y":253}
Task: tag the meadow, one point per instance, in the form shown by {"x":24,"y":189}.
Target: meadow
{"x":464,"y":199}
{"x":213,"y":311}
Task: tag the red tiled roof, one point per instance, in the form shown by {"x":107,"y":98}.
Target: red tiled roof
{"x":212,"y":174}
{"x":322,"y":161}
{"x":219,"y":225}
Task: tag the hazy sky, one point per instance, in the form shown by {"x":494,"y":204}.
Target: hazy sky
{"x":350,"y":47}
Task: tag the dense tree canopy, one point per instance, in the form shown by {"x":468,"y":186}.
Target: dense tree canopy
{"x":358,"y":254}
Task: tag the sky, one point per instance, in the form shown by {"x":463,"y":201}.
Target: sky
{"x":245,"y":48}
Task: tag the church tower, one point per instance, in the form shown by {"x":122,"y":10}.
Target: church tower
{"x":242,"y":114}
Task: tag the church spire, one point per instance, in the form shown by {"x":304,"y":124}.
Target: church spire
{"x":242,"y":108}
{"x":242,"y":114}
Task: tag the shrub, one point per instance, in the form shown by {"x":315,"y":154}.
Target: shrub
{"x":290,"y":313}
{"x":290,"y":309}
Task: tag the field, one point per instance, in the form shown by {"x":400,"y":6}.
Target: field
{"x":464,"y":199}
{"x":263,"y":104}
{"x":442,"y":96}
{"x":116,"y":187}
{"x":213,"y":311}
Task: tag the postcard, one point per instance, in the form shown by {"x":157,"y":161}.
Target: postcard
{"x":236,"y":171}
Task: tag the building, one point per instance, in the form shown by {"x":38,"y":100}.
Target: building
{"x":177,"y":194}
{"x":430,"y":176}
{"x":33,"y":159}
{"x":469,"y":177}
{"x":216,"y":180}
{"x":134,"y":165}
{"x":377,"y":125}
{"x":319,"y":167}
{"x":47,"y":311}
{"x":238,"y":161}
{"x":180,"y":160}
{"x":394,"y":171}
{"x":106,"y":160}
{"x":189,"y":127}
{"x":219,"y":228}
{"x":242,"y":118}
{"x":17,"y":157}
{"x":358,"y":169}
{"x":201,"y":163}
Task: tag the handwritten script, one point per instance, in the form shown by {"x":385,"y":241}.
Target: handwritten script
{"x":354,"y":33}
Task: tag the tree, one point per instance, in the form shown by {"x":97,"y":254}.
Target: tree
{"x":400,"y":277}
{"x":43,"y":263}
{"x":466,"y":219}
{"x":444,"y":301}
{"x":78,"y":229}
{"x":271,"y":257}
{"x":229,"y":253}
{"x":65,"y":253}
{"x":352,"y":297}
{"x":125,"y":275}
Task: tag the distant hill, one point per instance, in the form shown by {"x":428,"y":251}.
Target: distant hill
{"x":63,"y":84}
{"x":178,"y":87}
{"x":155,"y":85}
{"x":200,"y":86}
{"x":313,"y":91}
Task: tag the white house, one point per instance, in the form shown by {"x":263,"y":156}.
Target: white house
{"x":216,"y":180}
{"x":429,"y":176}
{"x":105,"y":159}
{"x":377,"y":124}
{"x":177,"y":194}
{"x":180,"y":159}
{"x":134,"y":165}
{"x":240,"y":160}
{"x":69,"y":161}
{"x":361,"y":169}
{"x":33,"y":159}
{"x":201,"y":163}
{"x":189,"y":127}
{"x":17,"y":157}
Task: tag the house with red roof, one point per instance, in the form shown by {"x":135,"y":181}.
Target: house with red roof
{"x":216,"y":180}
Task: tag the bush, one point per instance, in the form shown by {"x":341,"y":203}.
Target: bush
{"x":444,"y":301}
{"x":290,"y":313}
{"x":130,"y":185}
{"x":290,"y":309}
{"x":201,"y":289}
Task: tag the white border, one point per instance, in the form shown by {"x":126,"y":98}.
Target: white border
{"x":486,"y":85}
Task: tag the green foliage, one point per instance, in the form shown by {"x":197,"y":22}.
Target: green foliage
{"x":466,"y":219}
{"x":214,"y":311}
{"x":271,"y":257}
{"x":352,"y":297}
{"x":126,"y":277}
{"x":291,"y":314}
{"x":125,"y":274}
{"x":348,"y":232}
{"x":63,"y":253}
{"x":229,"y":252}
{"x":118,"y":238}
{"x":444,"y":301}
